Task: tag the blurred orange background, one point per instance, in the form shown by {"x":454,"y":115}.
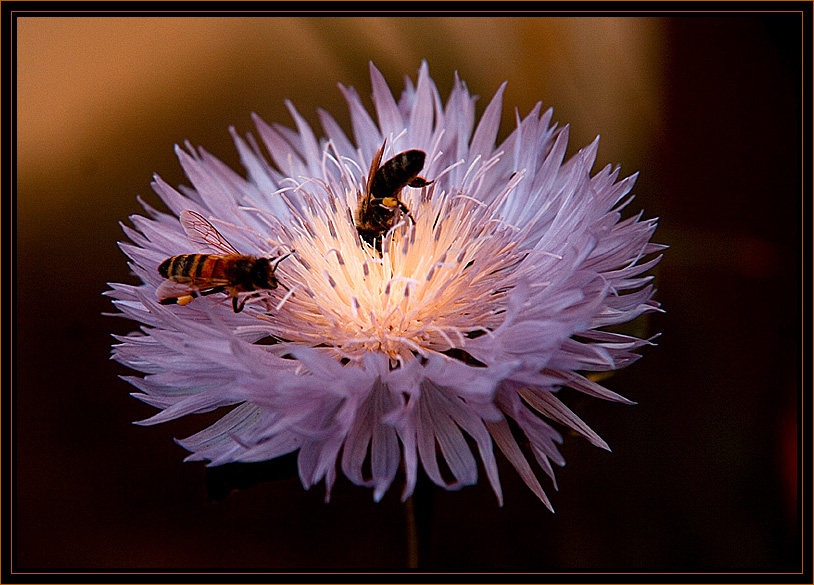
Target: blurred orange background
{"x":703,"y":472}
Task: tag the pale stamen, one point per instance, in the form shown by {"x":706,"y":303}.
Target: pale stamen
{"x":437,"y":278}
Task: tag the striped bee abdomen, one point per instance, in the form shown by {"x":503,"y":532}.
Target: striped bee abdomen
{"x":185,"y":267}
{"x":396,"y":173}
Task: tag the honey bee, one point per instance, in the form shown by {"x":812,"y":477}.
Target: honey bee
{"x":191,"y":275}
{"x":380,"y":202}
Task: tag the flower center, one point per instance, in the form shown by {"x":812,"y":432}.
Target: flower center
{"x":437,"y":282}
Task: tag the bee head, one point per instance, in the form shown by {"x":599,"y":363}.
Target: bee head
{"x":263,"y":274}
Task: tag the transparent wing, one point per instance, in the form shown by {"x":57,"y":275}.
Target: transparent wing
{"x":202,"y":233}
{"x":374,"y":168}
{"x":169,"y":289}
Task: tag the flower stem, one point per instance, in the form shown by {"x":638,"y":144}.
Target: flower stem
{"x":412,"y":534}
{"x":419,"y":509}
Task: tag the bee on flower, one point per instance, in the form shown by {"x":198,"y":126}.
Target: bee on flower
{"x":379,"y":205}
{"x":417,"y":326}
{"x":226,"y":270}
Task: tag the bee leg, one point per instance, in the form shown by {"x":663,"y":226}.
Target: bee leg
{"x":186,"y":299}
{"x":213,"y":290}
{"x":418,"y":182}
{"x":239,"y":307}
{"x":181,"y":300}
{"x":405,"y":211}
{"x":386,"y":202}
{"x":393,"y":203}
{"x":371,"y":239}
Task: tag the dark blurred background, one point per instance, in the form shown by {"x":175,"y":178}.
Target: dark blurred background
{"x":703,"y":473}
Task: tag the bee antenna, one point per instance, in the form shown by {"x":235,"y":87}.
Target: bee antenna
{"x":280,"y":259}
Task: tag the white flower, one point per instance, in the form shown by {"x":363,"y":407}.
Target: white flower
{"x":491,"y":296}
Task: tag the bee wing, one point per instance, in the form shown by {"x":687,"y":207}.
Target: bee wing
{"x":169,"y":289}
{"x":202,"y":233}
{"x":374,"y":167}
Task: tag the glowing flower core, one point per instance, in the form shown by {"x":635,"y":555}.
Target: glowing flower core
{"x":437,"y":280}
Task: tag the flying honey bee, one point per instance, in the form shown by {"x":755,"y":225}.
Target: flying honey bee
{"x":191,"y":275}
{"x":380,"y":203}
